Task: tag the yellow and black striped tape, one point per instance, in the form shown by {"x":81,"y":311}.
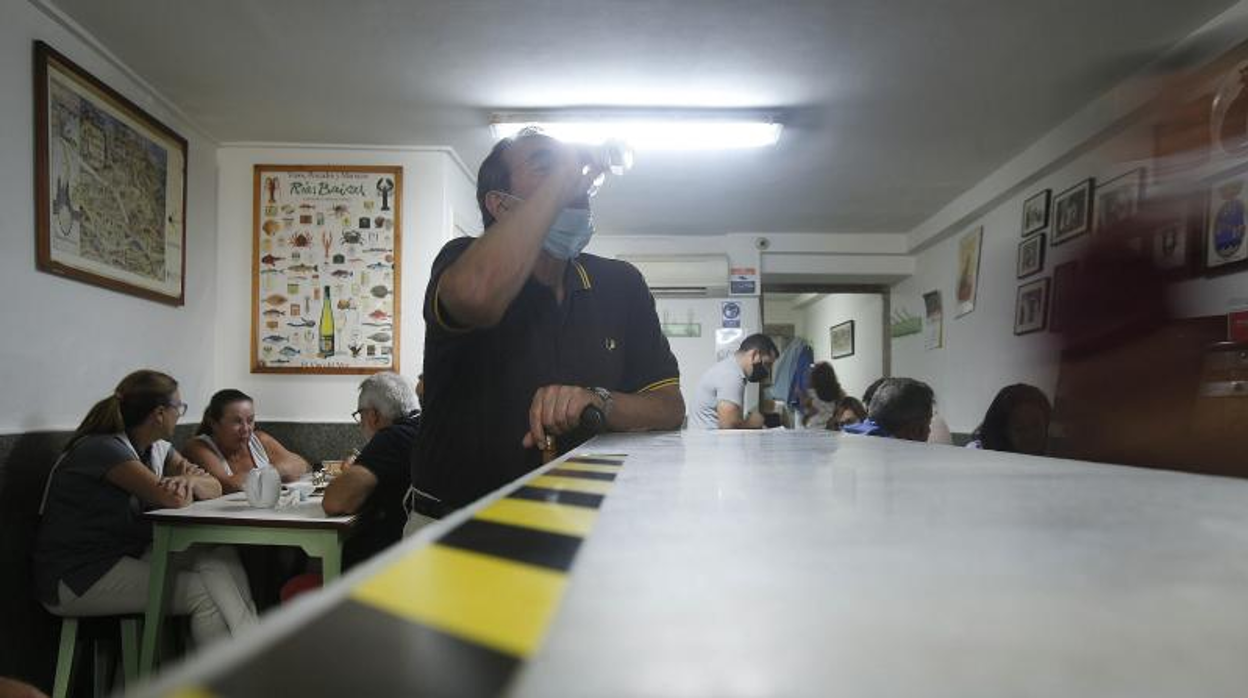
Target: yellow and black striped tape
{"x":456,"y":617}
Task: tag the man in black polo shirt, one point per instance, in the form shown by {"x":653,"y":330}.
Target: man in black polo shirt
{"x":523,"y":333}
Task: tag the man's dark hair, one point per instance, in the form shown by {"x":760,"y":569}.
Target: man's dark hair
{"x":870,"y":391}
{"x":903,"y":407}
{"x":759,"y":342}
{"x":495,"y":173}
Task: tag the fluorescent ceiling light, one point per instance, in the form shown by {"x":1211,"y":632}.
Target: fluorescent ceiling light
{"x":684,"y":131}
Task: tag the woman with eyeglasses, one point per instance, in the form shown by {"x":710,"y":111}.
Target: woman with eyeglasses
{"x":93,"y":543}
{"x":229,"y":446}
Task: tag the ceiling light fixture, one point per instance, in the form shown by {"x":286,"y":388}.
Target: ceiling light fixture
{"x":701,"y":130}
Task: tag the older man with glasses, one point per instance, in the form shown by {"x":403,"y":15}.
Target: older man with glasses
{"x":374,"y":482}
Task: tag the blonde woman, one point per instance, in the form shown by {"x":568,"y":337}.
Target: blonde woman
{"x":92,"y":546}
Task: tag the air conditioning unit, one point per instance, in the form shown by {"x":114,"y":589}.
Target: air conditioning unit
{"x":683,"y":276}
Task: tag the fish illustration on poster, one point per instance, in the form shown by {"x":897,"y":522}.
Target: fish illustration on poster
{"x":325,"y":268}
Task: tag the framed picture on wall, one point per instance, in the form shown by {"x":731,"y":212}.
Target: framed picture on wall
{"x":110,"y":186}
{"x":1172,"y":241}
{"x":842,"y":339}
{"x":1224,"y":244}
{"x":1031,"y":307}
{"x":1118,"y":200}
{"x":325,"y":268}
{"x":1036,"y":212}
{"x":1072,"y":212}
{"x":968,"y":270}
{"x":1031,"y":256}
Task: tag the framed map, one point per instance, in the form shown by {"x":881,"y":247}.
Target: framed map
{"x":325,"y":268}
{"x":110,"y":186}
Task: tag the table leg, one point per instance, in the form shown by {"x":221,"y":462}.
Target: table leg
{"x":157,"y":595}
{"x":331,"y":563}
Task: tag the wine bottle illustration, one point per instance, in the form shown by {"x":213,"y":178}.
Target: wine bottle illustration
{"x":327,"y":326}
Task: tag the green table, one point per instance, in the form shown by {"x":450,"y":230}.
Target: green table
{"x":231,"y":520}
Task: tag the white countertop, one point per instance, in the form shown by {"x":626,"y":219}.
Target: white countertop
{"x":808,"y":563}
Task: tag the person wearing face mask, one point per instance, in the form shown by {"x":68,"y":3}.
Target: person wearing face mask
{"x":524,"y":331}
{"x":720,"y":397}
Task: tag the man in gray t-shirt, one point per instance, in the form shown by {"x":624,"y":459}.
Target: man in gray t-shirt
{"x":720,"y":397}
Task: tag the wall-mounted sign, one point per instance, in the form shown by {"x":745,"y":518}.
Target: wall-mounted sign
{"x":743,"y":281}
{"x":730,"y":312}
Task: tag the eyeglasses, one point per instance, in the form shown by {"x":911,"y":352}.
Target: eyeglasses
{"x":180,"y":407}
{"x":356,"y":414}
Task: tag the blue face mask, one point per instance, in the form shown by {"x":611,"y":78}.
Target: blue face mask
{"x":569,"y":233}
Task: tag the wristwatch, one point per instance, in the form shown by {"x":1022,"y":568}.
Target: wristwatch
{"x":605,"y":396}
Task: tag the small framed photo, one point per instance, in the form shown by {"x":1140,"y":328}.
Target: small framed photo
{"x":1036,"y":212}
{"x":1072,"y":212}
{"x":842,"y":339}
{"x":1224,"y":244}
{"x":1031,"y":307}
{"x":967,"y":290}
{"x":1174,"y":247}
{"x":1118,"y":200}
{"x":1064,"y":276}
{"x":1031,"y":256}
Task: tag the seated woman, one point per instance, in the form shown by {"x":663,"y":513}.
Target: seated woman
{"x":849,"y":410}
{"x":819,"y":403}
{"x":228,"y":445}
{"x":92,"y":546}
{"x":1017,"y":422}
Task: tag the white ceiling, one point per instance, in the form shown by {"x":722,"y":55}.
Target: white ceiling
{"x":893,"y":107}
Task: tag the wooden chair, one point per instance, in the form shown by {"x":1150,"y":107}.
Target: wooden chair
{"x":129,"y":626}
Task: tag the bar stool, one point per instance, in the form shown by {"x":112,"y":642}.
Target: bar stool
{"x":129,"y":625}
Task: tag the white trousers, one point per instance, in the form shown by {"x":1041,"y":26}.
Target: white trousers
{"x":209,"y":585}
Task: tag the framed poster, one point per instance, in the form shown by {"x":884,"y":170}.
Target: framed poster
{"x":325,"y":268}
{"x":842,"y":339}
{"x":1031,"y":256}
{"x":1036,"y":213}
{"x":968,"y":269}
{"x":1118,"y":200}
{"x":1072,"y":212}
{"x":1031,"y":307}
{"x":1224,"y":244}
{"x":110,"y":186}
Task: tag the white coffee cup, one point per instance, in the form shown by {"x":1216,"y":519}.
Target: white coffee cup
{"x":263,"y":487}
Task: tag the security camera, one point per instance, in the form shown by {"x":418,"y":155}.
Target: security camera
{"x":761,"y":243}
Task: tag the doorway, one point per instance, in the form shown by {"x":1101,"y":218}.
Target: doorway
{"x":846,"y":326}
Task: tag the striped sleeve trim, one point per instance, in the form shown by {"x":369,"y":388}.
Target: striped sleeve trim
{"x":580,"y":270}
{"x":437,"y":312}
{"x":660,"y":384}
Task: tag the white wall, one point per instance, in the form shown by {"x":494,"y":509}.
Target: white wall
{"x":695,"y":355}
{"x":780,"y":311}
{"x":1110,"y":136}
{"x":66,"y":344}
{"x":866,"y":310}
{"x":436,"y":190}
